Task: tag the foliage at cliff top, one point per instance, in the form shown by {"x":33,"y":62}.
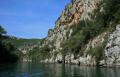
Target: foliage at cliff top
{"x":22,"y":42}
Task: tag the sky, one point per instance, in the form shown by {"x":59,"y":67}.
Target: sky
{"x":30,"y":18}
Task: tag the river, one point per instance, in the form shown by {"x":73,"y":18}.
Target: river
{"x":55,"y":70}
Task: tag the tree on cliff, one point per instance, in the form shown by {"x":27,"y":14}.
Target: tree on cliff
{"x":7,"y":53}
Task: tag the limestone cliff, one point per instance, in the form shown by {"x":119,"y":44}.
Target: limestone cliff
{"x":112,"y":50}
{"x":101,"y":47}
{"x":74,"y":12}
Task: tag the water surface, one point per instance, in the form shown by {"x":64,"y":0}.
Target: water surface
{"x":55,"y":70}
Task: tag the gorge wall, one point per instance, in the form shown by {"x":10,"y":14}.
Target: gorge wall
{"x":85,"y":34}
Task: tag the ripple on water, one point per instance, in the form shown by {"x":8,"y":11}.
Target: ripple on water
{"x":56,"y":70}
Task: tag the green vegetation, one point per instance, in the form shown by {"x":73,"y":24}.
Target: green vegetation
{"x":11,"y":48}
{"x":8,"y":52}
{"x":97,"y":53}
{"x":22,"y":42}
{"x":112,"y":11}
{"x":86,"y":30}
{"x":39,"y":53}
{"x":31,"y":46}
{"x":83,"y":32}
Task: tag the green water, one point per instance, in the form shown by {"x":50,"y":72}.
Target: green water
{"x":55,"y":70}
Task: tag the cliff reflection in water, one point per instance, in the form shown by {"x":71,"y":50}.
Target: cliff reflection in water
{"x":55,"y":70}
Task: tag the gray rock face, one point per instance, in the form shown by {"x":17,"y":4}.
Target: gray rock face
{"x":75,"y":12}
{"x":78,"y":10}
{"x":112,"y":50}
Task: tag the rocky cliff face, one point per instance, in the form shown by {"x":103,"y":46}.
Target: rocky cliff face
{"x":74,"y":12}
{"x":112,"y":50}
{"x":77,"y":10}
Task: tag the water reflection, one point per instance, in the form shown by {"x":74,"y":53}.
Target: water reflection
{"x":55,"y":70}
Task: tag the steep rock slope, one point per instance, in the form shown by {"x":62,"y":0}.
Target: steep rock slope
{"x":89,"y":21}
{"x":74,"y":12}
{"x":112,"y":50}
